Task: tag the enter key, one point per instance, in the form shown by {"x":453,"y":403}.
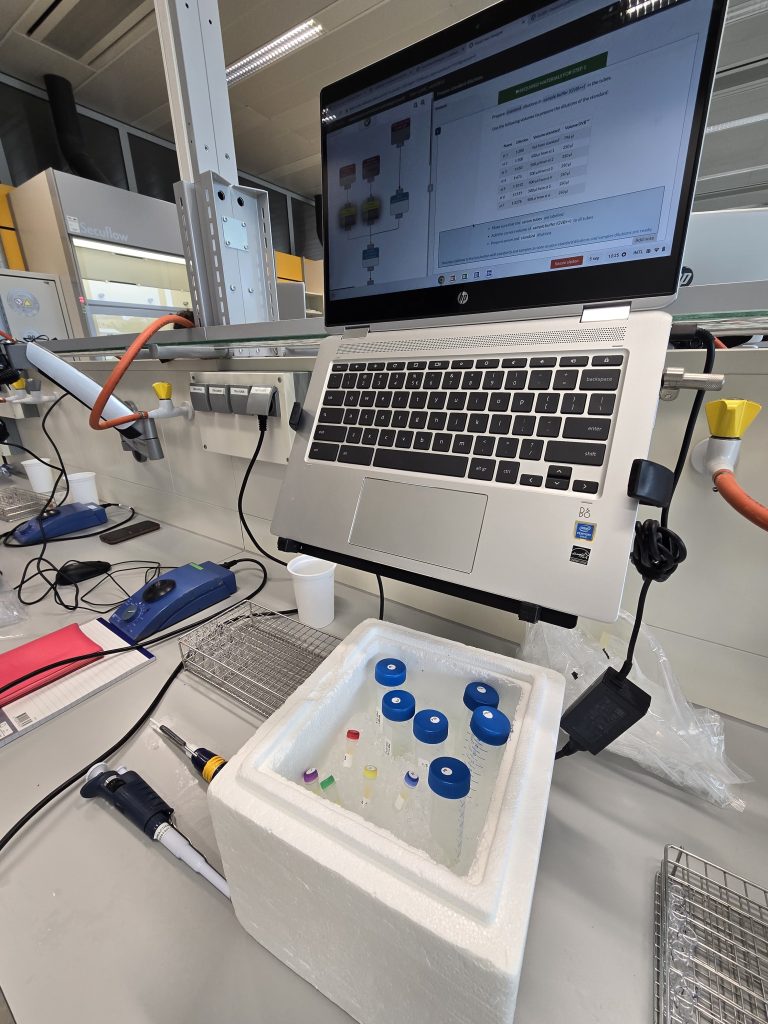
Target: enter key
{"x":589,"y":429}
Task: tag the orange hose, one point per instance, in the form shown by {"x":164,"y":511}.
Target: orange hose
{"x":94,"y":420}
{"x":720,"y":344}
{"x":727,"y":485}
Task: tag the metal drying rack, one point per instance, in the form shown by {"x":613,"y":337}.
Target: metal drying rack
{"x":17,"y":503}
{"x":257,"y":656}
{"x":711,"y":944}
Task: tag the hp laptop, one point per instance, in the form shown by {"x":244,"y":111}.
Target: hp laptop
{"x":505,"y":205}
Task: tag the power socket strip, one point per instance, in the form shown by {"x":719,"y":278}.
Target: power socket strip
{"x":236,"y":434}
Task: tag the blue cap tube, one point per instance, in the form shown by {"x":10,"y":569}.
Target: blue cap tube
{"x":449,"y":783}
{"x":397,"y":709}
{"x":480,"y":694}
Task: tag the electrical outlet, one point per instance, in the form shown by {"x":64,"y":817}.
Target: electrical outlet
{"x":232,"y":433}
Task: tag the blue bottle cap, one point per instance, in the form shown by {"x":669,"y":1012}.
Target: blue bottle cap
{"x":449,"y":777}
{"x":430,"y":726}
{"x":490,"y":726}
{"x":398,"y":705}
{"x":390,"y":672}
{"x":479,"y":694}
{"x":411,"y":780}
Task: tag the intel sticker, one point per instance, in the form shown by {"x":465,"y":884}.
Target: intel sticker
{"x":585,"y":531}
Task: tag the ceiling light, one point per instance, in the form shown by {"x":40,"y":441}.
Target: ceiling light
{"x":289,"y":41}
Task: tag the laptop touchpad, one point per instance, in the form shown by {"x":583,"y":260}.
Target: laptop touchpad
{"x":428,"y":524}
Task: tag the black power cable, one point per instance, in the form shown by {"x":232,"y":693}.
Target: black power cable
{"x":52,"y":442}
{"x":241,"y":495}
{"x":658,"y":551}
{"x":380,"y":585}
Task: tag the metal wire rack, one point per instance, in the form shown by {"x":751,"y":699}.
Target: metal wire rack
{"x":711,"y":944}
{"x":256,"y":656}
{"x":17,"y":503}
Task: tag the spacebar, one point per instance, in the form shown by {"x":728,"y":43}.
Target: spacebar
{"x":421,"y":462}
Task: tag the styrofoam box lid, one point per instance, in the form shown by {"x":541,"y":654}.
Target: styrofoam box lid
{"x":504,"y":868}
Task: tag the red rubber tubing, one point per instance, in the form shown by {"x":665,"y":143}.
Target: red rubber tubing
{"x":728,"y":486}
{"x":94,"y":420}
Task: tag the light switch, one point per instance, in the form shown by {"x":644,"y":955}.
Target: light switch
{"x":218,"y":396}
{"x":238,"y":399}
{"x":198,"y":395}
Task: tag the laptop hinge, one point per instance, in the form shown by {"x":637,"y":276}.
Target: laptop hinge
{"x":357,"y":331}
{"x":606,"y":311}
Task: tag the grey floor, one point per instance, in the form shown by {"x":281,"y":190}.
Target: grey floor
{"x":6,"y":1017}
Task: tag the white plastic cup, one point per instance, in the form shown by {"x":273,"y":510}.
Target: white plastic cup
{"x":40,"y":475}
{"x":82,"y":487}
{"x":313,"y":589}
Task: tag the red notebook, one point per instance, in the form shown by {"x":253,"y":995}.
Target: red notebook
{"x":64,"y":643}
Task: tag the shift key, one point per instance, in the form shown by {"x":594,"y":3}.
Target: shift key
{"x":575,"y":452}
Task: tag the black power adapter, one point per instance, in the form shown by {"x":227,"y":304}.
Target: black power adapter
{"x":610,"y":706}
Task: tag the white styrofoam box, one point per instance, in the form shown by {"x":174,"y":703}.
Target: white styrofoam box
{"x":378,"y":926}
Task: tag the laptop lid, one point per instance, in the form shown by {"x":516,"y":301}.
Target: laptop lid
{"x":538,"y":156}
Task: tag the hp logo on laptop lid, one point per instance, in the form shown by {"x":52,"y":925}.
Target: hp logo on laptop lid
{"x":462,"y":298}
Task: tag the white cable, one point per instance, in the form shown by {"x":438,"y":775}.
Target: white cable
{"x":181,"y":847}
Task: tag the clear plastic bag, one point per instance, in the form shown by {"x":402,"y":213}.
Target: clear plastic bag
{"x":678,"y":742}
{"x":12,"y":612}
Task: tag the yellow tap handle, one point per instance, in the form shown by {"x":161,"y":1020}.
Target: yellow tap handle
{"x":731,"y":417}
{"x":20,"y":384}
{"x":162,"y":389}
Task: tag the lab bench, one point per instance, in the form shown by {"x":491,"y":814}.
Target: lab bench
{"x":98,"y":923}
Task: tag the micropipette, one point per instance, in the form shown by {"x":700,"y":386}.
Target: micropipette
{"x":204,"y":761}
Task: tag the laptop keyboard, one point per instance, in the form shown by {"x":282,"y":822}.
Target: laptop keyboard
{"x":529,"y":421}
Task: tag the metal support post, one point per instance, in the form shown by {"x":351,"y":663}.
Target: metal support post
{"x":225,"y":226}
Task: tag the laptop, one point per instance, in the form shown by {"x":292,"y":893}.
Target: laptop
{"x":505,"y":206}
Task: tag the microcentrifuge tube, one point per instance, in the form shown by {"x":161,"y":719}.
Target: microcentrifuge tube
{"x":311,"y":780}
{"x":370,"y":774}
{"x":353,"y":739}
{"x":329,"y":789}
{"x":410,"y":782}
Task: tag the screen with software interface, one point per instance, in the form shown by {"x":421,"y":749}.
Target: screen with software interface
{"x":556,"y":141}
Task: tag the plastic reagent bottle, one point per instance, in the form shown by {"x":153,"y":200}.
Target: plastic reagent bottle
{"x":397,"y":709}
{"x":388,"y":672}
{"x":430,"y":731}
{"x":370,"y":774}
{"x":329,"y":789}
{"x":353,"y":738}
{"x":311,"y":780}
{"x":489,"y":731}
{"x":480,"y":695}
{"x":410,"y":782}
{"x":449,"y":782}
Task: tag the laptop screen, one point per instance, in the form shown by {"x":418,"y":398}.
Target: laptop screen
{"x":535,"y":155}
